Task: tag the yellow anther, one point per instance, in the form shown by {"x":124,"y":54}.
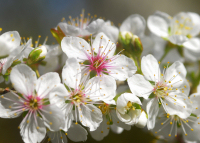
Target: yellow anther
{"x":50,"y":123}
{"x":171,"y":123}
{"x":0,"y":29}
{"x":13,"y":39}
{"x":76,"y":123}
{"x":27,"y":121}
{"x":11,"y":35}
{"x":101,"y":131}
{"x":177,"y":21}
{"x":133,"y":108}
{"x":38,"y":127}
{"x":50,"y":112}
{"x":165,"y":88}
{"x":167,"y":116}
{"x":169,"y":81}
{"x":155,"y":132}
{"x":161,"y":123}
{"x":35,"y":100}
{"x":192,"y":129}
{"x":159,"y":62}
{"x":185,"y":134}
{"x":66,"y":134}
{"x":169,"y":135}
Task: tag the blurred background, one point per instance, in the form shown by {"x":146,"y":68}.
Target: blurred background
{"x":36,"y":17}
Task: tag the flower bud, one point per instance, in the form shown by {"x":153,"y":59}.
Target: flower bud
{"x":142,"y":120}
{"x":131,"y":43}
{"x":37,"y":55}
{"x":58,"y":34}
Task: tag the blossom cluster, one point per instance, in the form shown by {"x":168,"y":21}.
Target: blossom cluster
{"x":100,"y":77}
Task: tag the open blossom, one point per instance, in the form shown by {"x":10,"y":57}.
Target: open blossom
{"x":99,"y":58}
{"x":81,"y":95}
{"x":33,"y":102}
{"x":83,"y":26}
{"x":176,"y":29}
{"x":110,"y":121}
{"x":128,"y":108}
{"x":75,"y":133}
{"x":169,"y":89}
{"x":15,"y":56}
{"x":170,"y":126}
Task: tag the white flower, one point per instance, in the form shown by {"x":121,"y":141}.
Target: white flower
{"x":14,"y":56}
{"x":169,"y":89}
{"x":135,"y":25}
{"x":9,"y":41}
{"x":128,"y":108}
{"x":170,"y":126}
{"x":33,"y":101}
{"x":81,"y":96}
{"x":75,"y":133}
{"x":110,"y":121}
{"x":177,"y":29}
{"x":84,"y":26}
{"x":99,"y":58}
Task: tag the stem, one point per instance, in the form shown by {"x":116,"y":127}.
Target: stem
{"x":37,"y":73}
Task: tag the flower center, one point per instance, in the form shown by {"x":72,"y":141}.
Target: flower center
{"x":78,"y":97}
{"x":104,"y":108}
{"x":182,"y":26}
{"x":33,"y":103}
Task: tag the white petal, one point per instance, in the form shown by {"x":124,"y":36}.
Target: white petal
{"x":53,"y":117}
{"x":150,"y":68}
{"x":51,"y":65}
{"x":71,"y":73}
{"x":195,"y":98}
{"x":158,"y":24}
{"x":46,"y":83}
{"x":123,"y":117}
{"x":69,"y":30}
{"x":111,"y":31}
{"x":116,"y":129}
{"x":198,"y":88}
{"x":75,"y":47}
{"x":179,"y":105}
{"x":68,"y":111}
{"x":152,"y":109}
{"x":90,"y":116}
{"x":118,"y":123}
{"x":132,"y":98}
{"x":94,"y":26}
{"x":102,"y":88}
{"x":8,"y":106}
{"x":57,"y":137}
{"x":142,"y":120}
{"x":8,"y":42}
{"x":134,"y":114}
{"x":122,"y":68}
{"x":32,"y":129}
{"x":102,"y":40}
{"x":178,"y":39}
{"x":192,"y":48}
{"x":135,"y":24}
{"x":23,"y":79}
{"x":140,"y":86}
{"x":7,"y":64}
{"x":121,"y":103}
{"x":77,"y":133}
{"x":196,"y":23}
{"x":102,"y":131}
